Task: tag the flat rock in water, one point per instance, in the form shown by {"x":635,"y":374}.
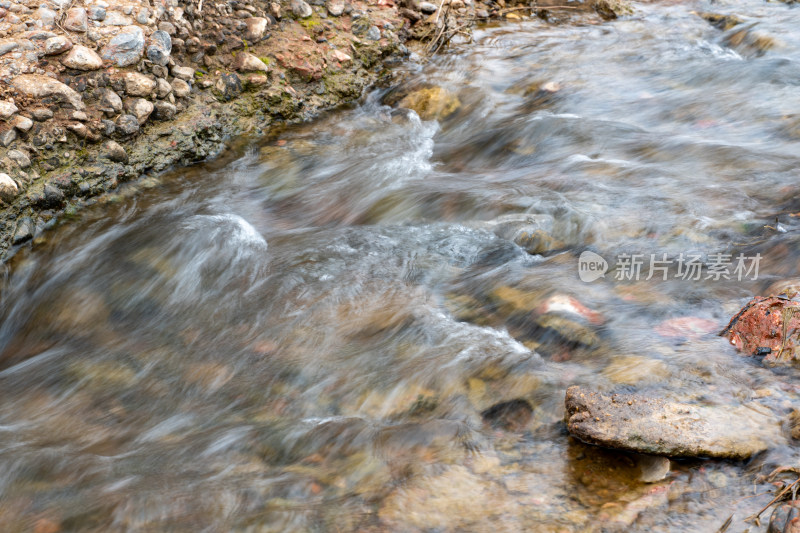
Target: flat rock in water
{"x":648,"y":425}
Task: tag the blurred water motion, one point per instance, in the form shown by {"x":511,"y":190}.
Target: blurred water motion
{"x":369,"y":323}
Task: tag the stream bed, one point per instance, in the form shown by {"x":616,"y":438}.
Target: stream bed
{"x":369,"y":322}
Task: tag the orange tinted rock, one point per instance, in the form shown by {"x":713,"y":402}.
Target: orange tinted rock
{"x":768,"y":326}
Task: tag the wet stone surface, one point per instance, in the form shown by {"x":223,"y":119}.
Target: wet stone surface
{"x":654,"y":426}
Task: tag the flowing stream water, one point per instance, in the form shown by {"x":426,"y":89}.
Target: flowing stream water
{"x":310,"y":333}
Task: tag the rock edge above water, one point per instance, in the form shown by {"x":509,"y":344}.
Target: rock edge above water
{"x":640,"y":424}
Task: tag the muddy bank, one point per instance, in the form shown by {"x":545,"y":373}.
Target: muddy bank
{"x":93,"y":94}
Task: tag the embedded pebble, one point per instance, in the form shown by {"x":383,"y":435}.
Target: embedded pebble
{"x":76,"y":20}
{"x":126,"y":48}
{"x":8,"y":187}
{"x":7,"y":109}
{"x":57,"y":45}
{"x":82,"y":58}
{"x":301,"y":9}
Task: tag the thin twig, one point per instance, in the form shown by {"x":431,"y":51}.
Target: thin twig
{"x":436,"y":20}
{"x":441,"y":31}
{"x":725,"y":526}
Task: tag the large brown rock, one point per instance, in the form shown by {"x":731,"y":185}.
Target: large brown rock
{"x":640,"y":424}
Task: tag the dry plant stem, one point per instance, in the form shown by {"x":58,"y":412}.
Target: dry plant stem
{"x":781,"y":470}
{"x":439,"y":11}
{"x":435,"y":44}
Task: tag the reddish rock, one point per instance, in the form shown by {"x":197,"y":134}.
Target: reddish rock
{"x":257,"y":79}
{"x":306,"y":71}
{"x":767,"y":326}
{"x":341,"y":57}
{"x":571,"y":306}
{"x":76,"y":20}
{"x":686,"y":327}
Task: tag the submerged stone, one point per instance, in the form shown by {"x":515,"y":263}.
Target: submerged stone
{"x":533,"y":232}
{"x":512,"y":415}
{"x":653,"y":468}
{"x":433,"y":103}
{"x":747,"y":41}
{"x":722,"y":22}
{"x":785,"y":518}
